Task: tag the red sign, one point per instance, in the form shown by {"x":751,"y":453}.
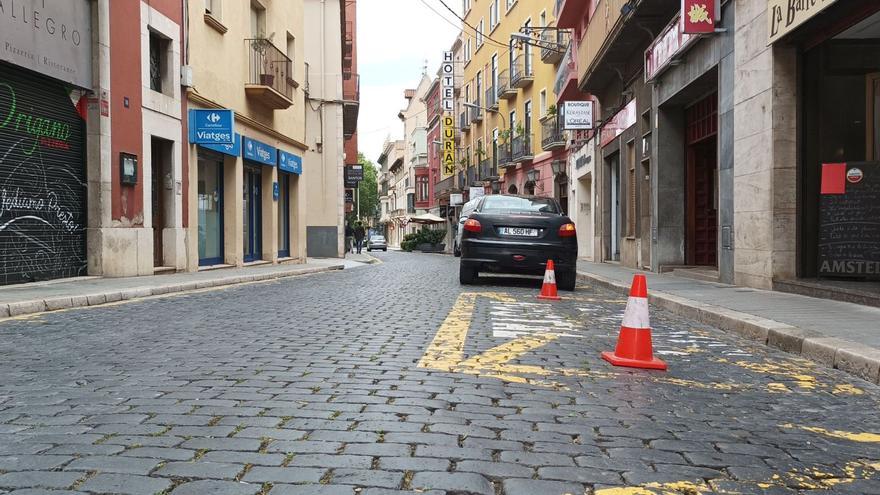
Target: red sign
{"x":671,"y":42}
{"x":698,"y":16}
{"x":622,"y":120}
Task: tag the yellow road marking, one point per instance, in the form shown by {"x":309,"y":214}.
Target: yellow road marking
{"x":839,"y":434}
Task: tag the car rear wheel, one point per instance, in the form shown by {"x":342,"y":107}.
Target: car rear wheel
{"x":456,"y":251}
{"x":566,"y":279}
{"x":466,"y":275}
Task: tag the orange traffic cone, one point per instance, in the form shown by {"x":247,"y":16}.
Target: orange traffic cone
{"x":634,"y":349}
{"x":548,"y":290}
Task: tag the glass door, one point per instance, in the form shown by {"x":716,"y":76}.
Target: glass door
{"x":252,"y":220}
{"x":283,"y":216}
{"x":210,"y":197}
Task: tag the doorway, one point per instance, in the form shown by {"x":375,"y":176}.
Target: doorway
{"x":283,"y":215}
{"x":252,"y":220}
{"x":162,"y":193}
{"x":614,"y":165}
{"x":701,"y":181}
{"x":210,"y":190}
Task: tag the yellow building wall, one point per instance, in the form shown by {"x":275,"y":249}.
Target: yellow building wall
{"x":510,"y":21}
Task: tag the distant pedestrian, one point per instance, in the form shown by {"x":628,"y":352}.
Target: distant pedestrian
{"x":359,"y":234}
{"x":349,"y":234}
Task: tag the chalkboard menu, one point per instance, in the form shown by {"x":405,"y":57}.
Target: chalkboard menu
{"x":849,"y":220}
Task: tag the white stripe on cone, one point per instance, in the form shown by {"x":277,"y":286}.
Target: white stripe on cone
{"x":550,"y":277}
{"x":636,"y":315}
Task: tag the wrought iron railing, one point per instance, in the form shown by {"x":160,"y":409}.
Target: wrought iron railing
{"x":270,"y":67}
{"x":552,"y":134}
{"x":504,"y":156}
{"x":521,"y":70}
{"x":491,"y":98}
{"x":476,"y":111}
{"x":464,"y":122}
{"x":553,"y":45}
{"x":521,"y":147}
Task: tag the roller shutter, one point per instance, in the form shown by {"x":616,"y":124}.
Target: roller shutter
{"x":42,"y":179}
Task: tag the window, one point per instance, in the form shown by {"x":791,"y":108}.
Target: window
{"x":213,"y":7}
{"x":467,"y":51}
{"x":479,"y":87}
{"x":493,"y":15}
{"x":494,"y":73}
{"x":465,"y":6}
{"x":528,"y":50}
{"x":480,"y":29}
{"x":510,"y":4}
{"x":527,"y":117}
{"x":543,"y":101}
{"x":542,"y":20}
{"x":422,"y":188}
{"x":158,"y":63}
{"x":258,"y":20}
{"x":510,"y":205}
{"x":512,"y":120}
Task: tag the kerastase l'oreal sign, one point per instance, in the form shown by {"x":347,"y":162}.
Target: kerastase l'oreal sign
{"x":52,"y":37}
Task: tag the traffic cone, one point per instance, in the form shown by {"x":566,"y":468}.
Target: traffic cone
{"x":634,"y":348}
{"x":548,"y":290}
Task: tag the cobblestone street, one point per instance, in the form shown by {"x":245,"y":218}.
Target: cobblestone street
{"x":391,"y":377}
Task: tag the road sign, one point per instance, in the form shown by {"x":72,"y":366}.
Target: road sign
{"x":211,"y":127}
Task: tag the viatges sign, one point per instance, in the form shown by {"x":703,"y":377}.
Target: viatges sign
{"x":52,"y":37}
{"x":783,"y":16}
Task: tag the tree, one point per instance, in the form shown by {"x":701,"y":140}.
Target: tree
{"x":369,"y":190}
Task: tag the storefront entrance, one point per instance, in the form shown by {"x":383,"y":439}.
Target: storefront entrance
{"x":42,"y":179}
{"x":253,"y":214}
{"x":701,"y":247}
{"x":162,"y":194}
{"x":283,"y":215}
{"x":210,"y":190}
{"x":614,"y":169}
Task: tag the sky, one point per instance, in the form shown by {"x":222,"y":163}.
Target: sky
{"x":395,"y":38}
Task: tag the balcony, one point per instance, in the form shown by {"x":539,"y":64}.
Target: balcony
{"x":608,"y":42}
{"x":553,"y":46}
{"x":505,"y":159}
{"x":444,"y":187}
{"x":566,"y":84}
{"x":568,"y":13}
{"x":464,"y":122}
{"x":348,"y":46}
{"x":351,"y":102}
{"x":552,"y":134}
{"x":487,"y":171}
{"x":270,"y":80}
{"x":522,"y":74}
{"x":504,"y":90}
{"x":476,"y":112}
{"x":521,"y":148}
{"x":491,"y":99}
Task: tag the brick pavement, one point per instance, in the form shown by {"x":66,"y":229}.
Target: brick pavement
{"x":353,"y":382}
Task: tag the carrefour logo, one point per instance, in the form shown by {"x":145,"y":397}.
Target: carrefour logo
{"x":214,"y":118}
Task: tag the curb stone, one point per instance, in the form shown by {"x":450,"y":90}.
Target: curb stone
{"x":852,"y":358}
{"x":22,"y":308}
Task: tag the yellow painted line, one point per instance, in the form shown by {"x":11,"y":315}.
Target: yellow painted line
{"x":798,"y":373}
{"x":862,"y":437}
{"x":446,"y":351}
{"x":497,"y":357}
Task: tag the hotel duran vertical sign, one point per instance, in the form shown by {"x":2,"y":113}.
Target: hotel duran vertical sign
{"x":52,"y":37}
{"x":447,"y":96}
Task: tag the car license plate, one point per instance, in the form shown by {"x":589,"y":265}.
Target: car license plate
{"x":519,"y":231}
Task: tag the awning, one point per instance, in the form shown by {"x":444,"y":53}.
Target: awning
{"x":427,"y":218}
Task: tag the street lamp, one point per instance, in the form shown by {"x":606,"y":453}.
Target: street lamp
{"x":487,"y":109}
{"x":558,"y":167}
{"x":532,"y":175}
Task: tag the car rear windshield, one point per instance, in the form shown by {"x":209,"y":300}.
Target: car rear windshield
{"x":494,"y":204}
{"x":377,"y":238}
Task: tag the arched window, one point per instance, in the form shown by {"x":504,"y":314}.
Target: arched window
{"x":512,"y":189}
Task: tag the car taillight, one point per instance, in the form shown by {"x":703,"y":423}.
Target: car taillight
{"x":567,"y":230}
{"x":472,"y":225}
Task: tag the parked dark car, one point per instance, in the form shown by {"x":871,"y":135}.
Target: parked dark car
{"x":376,"y":242}
{"x":518,"y":234}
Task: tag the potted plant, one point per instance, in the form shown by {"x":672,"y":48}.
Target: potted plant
{"x":520,"y":130}
{"x":480,"y":153}
{"x":504,"y":136}
{"x":262,"y":46}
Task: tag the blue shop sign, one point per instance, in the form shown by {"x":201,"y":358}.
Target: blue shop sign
{"x":233,"y":149}
{"x":288,"y":162}
{"x":259,"y":152}
{"x":211,"y":127}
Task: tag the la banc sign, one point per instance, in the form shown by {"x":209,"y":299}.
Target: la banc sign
{"x":52,"y":37}
{"x":784,"y":16}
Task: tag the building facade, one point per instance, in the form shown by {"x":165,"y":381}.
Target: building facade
{"x":510,"y":127}
{"x":92,"y":134}
{"x":248,"y":197}
{"x":713,"y":145}
{"x":332,"y":96}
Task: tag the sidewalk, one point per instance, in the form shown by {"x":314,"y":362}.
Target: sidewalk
{"x":17,"y":300}
{"x":836,"y":334}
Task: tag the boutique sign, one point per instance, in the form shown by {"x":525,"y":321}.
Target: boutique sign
{"x":52,"y":37}
{"x":784,"y":16}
